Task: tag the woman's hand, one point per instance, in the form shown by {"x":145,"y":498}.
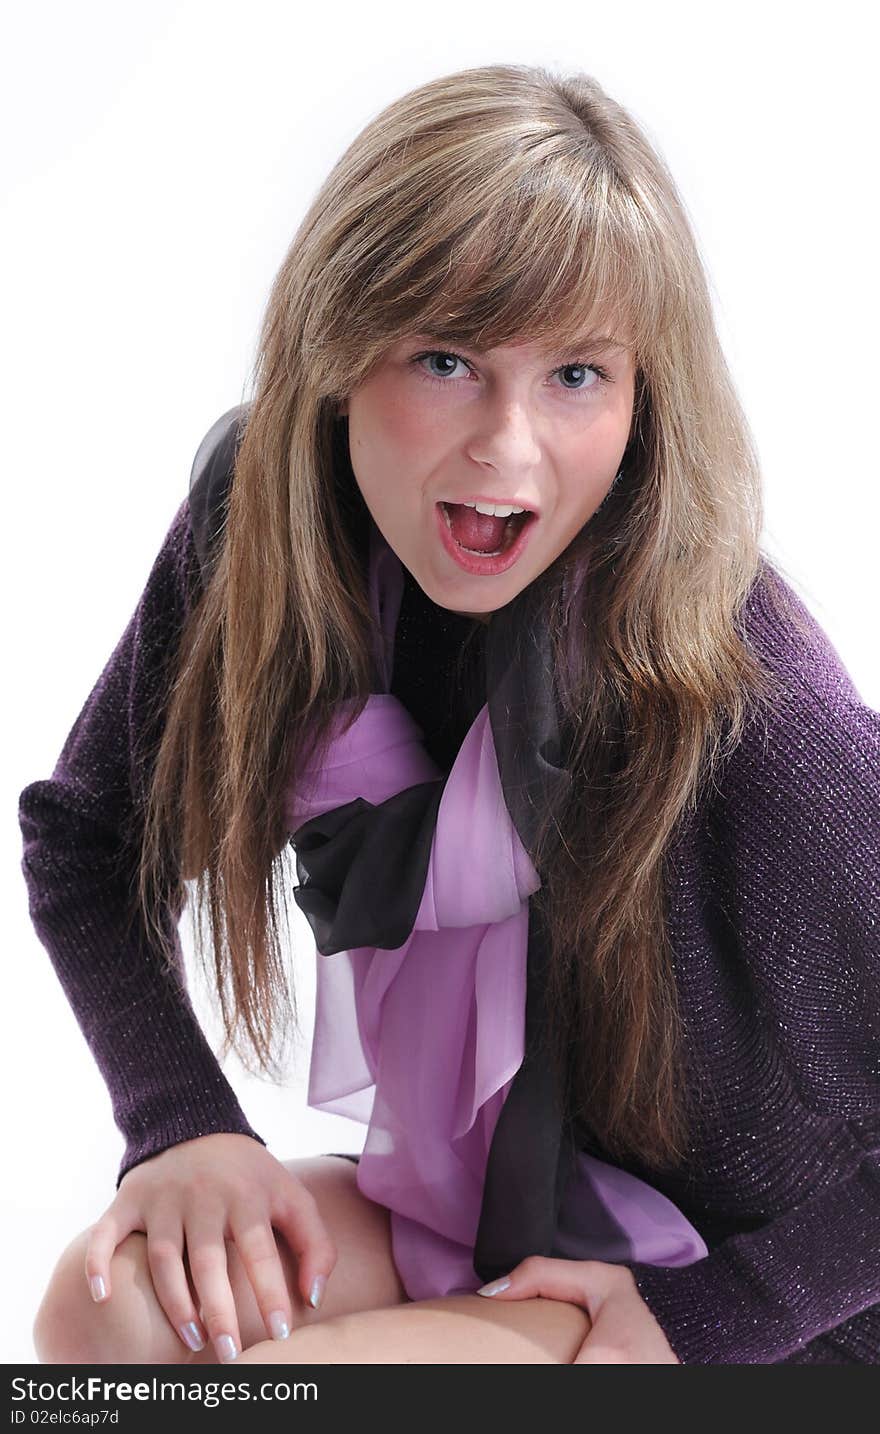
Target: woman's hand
{"x":623,"y":1329}
{"x":195,"y":1196}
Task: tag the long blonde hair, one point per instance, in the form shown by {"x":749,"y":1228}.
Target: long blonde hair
{"x":498,"y":204}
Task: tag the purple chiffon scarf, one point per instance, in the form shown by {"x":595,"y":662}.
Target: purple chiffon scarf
{"x":420,"y":1043}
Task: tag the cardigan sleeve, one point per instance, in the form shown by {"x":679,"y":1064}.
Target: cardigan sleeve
{"x":760,"y":1297}
{"x":79,"y":864}
{"x":802,"y":837}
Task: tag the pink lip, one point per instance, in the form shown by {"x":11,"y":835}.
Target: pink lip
{"x":473,"y":563}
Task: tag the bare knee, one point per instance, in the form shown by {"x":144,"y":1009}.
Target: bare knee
{"x":59,"y":1330}
{"x":71,"y":1328}
{"x":132,"y":1328}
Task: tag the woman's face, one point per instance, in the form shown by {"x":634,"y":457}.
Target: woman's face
{"x":541,"y":431}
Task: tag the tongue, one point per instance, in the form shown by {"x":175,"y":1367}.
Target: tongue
{"x":479,"y":531}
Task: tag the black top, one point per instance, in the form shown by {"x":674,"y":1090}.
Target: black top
{"x":445,"y":693}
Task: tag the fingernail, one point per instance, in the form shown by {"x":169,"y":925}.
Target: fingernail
{"x":226,"y":1348}
{"x":495,"y":1288}
{"x":98,"y":1288}
{"x":317,"y":1293}
{"x":278,"y":1325}
{"x":191,"y":1337}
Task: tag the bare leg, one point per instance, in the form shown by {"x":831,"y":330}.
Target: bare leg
{"x":460,"y":1329}
{"x":132,"y":1327}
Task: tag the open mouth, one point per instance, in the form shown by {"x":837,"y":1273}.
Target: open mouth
{"x":499,"y":533}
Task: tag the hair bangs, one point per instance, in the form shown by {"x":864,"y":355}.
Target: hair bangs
{"x":553,"y":260}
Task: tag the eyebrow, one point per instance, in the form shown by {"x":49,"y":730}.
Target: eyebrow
{"x":595,"y":343}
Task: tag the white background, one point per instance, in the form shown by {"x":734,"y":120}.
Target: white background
{"x":159,"y":158}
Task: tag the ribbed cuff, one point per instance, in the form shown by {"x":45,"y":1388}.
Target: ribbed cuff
{"x":215,"y":1124}
{"x":708,"y":1316}
{"x":763,"y":1295}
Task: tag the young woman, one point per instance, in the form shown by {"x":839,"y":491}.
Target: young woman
{"x":467,"y":604}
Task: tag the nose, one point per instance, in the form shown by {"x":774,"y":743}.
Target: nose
{"x":505,"y":436}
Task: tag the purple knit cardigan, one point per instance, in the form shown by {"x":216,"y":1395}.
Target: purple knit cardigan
{"x":774,"y":908}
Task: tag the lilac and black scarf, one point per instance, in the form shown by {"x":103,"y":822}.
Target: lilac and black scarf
{"x":429,"y":1015}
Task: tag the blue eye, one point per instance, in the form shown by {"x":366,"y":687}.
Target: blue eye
{"x":602,"y":376}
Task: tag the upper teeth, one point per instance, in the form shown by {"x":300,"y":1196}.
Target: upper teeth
{"x":498,"y":510}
